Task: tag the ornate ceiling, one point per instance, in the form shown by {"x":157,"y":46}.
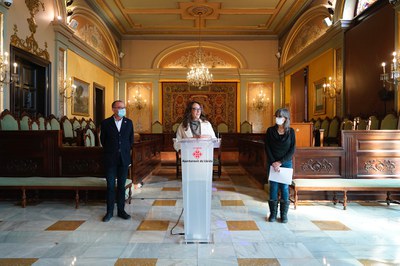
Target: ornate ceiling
{"x":174,"y":18}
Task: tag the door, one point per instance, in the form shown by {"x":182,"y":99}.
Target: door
{"x":298,"y":96}
{"x":98,"y":104}
{"x":30,"y":93}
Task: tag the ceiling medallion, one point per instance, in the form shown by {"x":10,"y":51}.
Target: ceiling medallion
{"x":204,"y":11}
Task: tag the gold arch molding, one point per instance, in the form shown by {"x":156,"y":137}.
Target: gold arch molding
{"x":214,"y":56}
{"x":305,"y":31}
{"x":92,"y":30}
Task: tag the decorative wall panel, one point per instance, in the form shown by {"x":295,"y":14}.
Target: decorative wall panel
{"x":219,"y":101}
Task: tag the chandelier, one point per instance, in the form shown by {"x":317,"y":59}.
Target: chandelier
{"x":4,"y":75}
{"x":199,"y":75}
{"x":259,"y":102}
{"x":330,"y":89}
{"x":138,"y":101}
{"x":393,"y":77}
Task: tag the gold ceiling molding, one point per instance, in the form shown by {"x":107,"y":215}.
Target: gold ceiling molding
{"x":91,"y":35}
{"x":308,"y":28}
{"x":306,"y":36}
{"x":33,"y":6}
{"x":208,"y":58}
{"x":268,"y":18}
{"x":30,"y":44}
{"x":215,"y":56}
{"x":92,"y":31}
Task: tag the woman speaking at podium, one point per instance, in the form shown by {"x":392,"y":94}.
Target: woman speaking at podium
{"x":194,"y":124}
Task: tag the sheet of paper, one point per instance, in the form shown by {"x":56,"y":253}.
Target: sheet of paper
{"x":284,"y":176}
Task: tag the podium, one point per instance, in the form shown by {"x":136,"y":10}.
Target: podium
{"x":197,"y":156}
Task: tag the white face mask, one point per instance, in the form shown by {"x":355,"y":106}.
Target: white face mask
{"x":280,"y":121}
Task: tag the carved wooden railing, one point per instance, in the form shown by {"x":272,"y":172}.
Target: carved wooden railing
{"x":40,"y":153}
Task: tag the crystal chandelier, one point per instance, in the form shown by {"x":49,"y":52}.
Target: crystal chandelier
{"x":138,"y":102}
{"x":259,"y":102}
{"x":199,"y":75}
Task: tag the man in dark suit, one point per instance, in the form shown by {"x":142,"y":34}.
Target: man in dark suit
{"x":117,"y":139}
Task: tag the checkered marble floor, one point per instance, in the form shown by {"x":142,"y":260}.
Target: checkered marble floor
{"x":55,"y":233}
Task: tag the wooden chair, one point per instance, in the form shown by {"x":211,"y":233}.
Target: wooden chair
{"x":55,"y":124}
{"x":246,"y":127}
{"x":175,"y":127}
{"x":34,"y":125}
{"x":24,"y":122}
{"x":347,"y":125}
{"x":83,"y":123}
{"x":68,"y":131}
{"x":42,"y":122}
{"x":8,"y":121}
{"x":324,"y":130}
{"x":89,"y":138}
{"x":373,"y":123}
{"x":332,"y":138}
{"x":360,"y":124}
{"x":76,"y":126}
{"x":222,"y":128}
{"x":317,"y":124}
{"x":389,"y":122}
{"x":156,"y":127}
{"x":91,"y":124}
{"x":316,"y":132}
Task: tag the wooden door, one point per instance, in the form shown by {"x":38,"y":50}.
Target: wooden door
{"x":98,"y":104}
{"x":298,"y":96}
{"x":31,"y":92}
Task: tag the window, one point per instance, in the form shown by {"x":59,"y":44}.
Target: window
{"x":363,"y":4}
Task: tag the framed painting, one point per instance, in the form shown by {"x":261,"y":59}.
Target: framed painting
{"x":80,"y":99}
{"x":319,"y":98}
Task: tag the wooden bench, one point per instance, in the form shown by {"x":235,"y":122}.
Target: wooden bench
{"x":59,"y":183}
{"x":345,"y":185}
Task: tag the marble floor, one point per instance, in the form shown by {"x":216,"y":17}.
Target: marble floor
{"x":55,"y":233}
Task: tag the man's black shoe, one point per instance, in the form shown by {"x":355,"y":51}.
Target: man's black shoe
{"x":124,"y":215}
{"x":107,"y":217}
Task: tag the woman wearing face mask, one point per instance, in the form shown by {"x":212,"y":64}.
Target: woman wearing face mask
{"x":194,"y":124}
{"x":280,"y":144}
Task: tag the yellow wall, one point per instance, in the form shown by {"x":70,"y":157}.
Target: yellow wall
{"x":80,"y":68}
{"x":319,"y":68}
{"x":287,"y":91}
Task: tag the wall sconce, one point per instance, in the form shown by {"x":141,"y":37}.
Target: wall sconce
{"x":5,"y":77}
{"x":139,"y":102}
{"x":67,"y":86}
{"x":393,"y":77}
{"x":330,"y":89}
{"x":259,"y":102}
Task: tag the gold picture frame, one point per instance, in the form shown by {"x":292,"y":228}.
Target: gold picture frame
{"x":319,"y":98}
{"x":80,"y":99}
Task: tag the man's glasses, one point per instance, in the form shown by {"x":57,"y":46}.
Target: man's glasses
{"x":119,"y":108}
{"x":196,"y":109}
